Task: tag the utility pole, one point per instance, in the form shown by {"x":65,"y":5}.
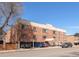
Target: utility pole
{"x":33,"y":43}
{"x":18,"y":38}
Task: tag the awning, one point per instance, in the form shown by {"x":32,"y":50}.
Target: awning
{"x":49,"y":39}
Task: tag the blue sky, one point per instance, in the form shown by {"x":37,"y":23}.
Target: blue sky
{"x":63,"y":15}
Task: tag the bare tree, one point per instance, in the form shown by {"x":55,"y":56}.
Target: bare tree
{"x":9,"y":10}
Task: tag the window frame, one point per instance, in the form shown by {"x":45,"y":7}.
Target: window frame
{"x":24,"y":26}
{"x":45,"y":30}
{"x":54,"y":32}
{"x":34,"y":29}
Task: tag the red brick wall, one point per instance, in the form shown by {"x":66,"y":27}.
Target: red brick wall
{"x":28,"y":33}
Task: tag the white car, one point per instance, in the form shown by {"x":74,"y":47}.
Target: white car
{"x":76,"y":42}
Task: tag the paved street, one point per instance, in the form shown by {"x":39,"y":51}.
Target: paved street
{"x":44,"y":52}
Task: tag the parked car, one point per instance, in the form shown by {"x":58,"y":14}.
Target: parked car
{"x":66,"y":45}
{"x":76,"y":43}
{"x":24,"y":45}
{"x":44,"y":45}
{"x":38,"y":44}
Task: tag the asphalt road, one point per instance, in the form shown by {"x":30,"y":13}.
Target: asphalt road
{"x":44,"y":52}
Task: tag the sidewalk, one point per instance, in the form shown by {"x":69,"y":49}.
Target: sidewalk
{"x":18,"y":50}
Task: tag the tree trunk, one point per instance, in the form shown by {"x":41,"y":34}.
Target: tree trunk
{"x":4,"y":44}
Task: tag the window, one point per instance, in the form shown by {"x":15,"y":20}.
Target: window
{"x":45,"y":30}
{"x":54,"y":37}
{"x":54,"y":32}
{"x":23,"y":26}
{"x":34,"y":29}
{"x":44,"y":37}
{"x":34,"y":36}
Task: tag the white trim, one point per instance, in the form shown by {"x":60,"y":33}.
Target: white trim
{"x":51,"y":39}
{"x":47,"y":26}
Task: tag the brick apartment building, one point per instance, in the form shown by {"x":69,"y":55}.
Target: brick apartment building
{"x":35,"y":34}
{"x":31,"y":34}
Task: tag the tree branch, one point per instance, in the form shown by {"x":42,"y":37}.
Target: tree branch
{"x":6,"y":21}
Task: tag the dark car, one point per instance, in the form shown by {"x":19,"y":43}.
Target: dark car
{"x":24,"y":45}
{"x":66,"y":45}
